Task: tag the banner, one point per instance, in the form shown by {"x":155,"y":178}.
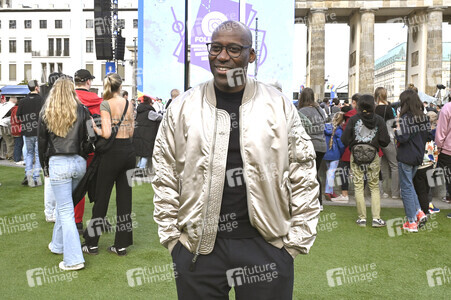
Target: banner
{"x":161,"y":41}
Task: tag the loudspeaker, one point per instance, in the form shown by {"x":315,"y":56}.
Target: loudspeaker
{"x":120,"y":48}
{"x":104,"y":48}
{"x":102,"y":30}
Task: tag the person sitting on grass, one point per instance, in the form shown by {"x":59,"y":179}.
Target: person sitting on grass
{"x":364,"y":134}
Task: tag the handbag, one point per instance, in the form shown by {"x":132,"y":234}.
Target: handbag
{"x":102,"y":144}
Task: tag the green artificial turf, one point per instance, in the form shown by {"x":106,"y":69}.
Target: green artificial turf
{"x":395,"y":267}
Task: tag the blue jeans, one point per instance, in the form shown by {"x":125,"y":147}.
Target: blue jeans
{"x":142,"y":163}
{"x":18,"y":145}
{"x":49,"y":199}
{"x":330,"y":174}
{"x":408,"y":194}
{"x":65,"y":173}
{"x":32,"y":153}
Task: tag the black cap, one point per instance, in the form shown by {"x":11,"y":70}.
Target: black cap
{"x":83,"y":75}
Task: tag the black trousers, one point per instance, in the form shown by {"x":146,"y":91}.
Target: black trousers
{"x":112,"y":169}
{"x":344,"y":174}
{"x":422,"y":188}
{"x":444,"y":162}
{"x":255,"y":268}
{"x":319,"y":159}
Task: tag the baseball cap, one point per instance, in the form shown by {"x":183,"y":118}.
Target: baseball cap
{"x":83,"y":75}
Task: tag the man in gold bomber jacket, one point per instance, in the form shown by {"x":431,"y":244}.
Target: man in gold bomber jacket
{"x":236,"y":195}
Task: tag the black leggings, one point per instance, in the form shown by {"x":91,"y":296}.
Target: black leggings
{"x":319,"y":159}
{"x":113,"y":168}
{"x":422,"y":188}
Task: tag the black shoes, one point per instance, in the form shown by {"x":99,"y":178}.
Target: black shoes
{"x":90,"y":249}
{"x":119,"y":252}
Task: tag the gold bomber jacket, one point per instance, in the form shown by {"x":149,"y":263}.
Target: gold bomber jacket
{"x":189,"y":161}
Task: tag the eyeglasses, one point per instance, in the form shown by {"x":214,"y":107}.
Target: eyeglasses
{"x":233,"y":50}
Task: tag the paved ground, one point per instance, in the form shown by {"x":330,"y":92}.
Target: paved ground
{"x":384,"y":202}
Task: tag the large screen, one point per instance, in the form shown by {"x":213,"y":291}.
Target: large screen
{"x":162,"y":39}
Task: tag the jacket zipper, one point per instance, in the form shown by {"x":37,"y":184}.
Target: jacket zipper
{"x":192,"y":266}
{"x":243,"y":158}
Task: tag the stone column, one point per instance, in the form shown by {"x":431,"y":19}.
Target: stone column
{"x":366,"y":66}
{"x":316,"y":51}
{"x":434,"y":50}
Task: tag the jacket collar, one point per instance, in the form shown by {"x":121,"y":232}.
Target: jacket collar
{"x":249,"y":91}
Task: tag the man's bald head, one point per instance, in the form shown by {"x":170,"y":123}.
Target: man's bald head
{"x":231,"y":25}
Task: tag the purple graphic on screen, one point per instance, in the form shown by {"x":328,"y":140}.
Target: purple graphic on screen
{"x":211,"y":13}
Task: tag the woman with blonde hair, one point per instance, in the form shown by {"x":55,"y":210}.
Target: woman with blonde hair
{"x":335,"y":149}
{"x":61,"y":132}
{"x":384,"y":110}
{"x":117,"y":118}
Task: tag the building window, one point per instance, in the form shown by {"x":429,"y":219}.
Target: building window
{"x":51,"y":48}
{"x":12,"y":46}
{"x":60,"y":67}
{"x":66,"y":47}
{"x":59,"y":47}
{"x":89,"y":23}
{"x":12,"y":24}
{"x":89,"y":46}
{"x":27,"y":46}
{"x":121,"y":23}
{"x":135,"y":23}
{"x":90,"y":68}
{"x":12,"y":72}
{"x":43,"y":72}
{"x":27,"y":24}
{"x":58,"y":23}
{"x":0,"y":23}
{"x":52,"y":67}
{"x":42,"y":24}
{"x":27,"y":72}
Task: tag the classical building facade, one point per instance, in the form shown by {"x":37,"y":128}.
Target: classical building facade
{"x":390,"y":70}
{"x":38,"y":37}
{"x":424,"y":19}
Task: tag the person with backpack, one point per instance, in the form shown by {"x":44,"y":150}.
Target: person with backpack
{"x":335,"y":149}
{"x":364,"y":134}
{"x":412,"y":130}
{"x":309,"y":108}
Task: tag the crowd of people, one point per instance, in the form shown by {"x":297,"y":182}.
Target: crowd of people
{"x":410,"y":135}
{"x":222,"y":158}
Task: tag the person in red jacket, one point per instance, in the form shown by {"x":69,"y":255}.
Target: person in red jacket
{"x":15,"y":131}
{"x":83,"y":80}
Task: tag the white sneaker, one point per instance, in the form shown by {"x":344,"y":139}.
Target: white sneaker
{"x":340,"y":199}
{"x":71,"y":268}
{"x":385,"y":196}
{"x":21,"y":163}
